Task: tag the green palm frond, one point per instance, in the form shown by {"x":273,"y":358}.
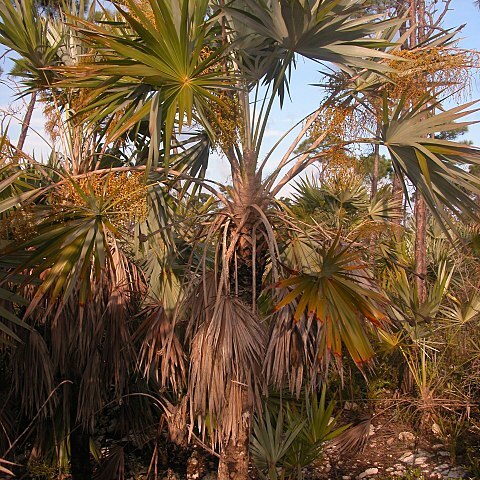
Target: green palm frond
{"x":9,"y":313}
{"x":271,"y":35}
{"x":331,"y":202}
{"x":405,"y":304}
{"x":75,"y":236}
{"x":156,"y":68}
{"x":438,"y":168}
{"x":308,"y":196}
{"x":289,"y":437}
{"x":320,"y":427}
{"x":16,"y":186}
{"x":321,"y":30}
{"x":272,"y":437}
{"x":23,"y":30}
{"x":461,"y":313}
{"x":383,"y":207}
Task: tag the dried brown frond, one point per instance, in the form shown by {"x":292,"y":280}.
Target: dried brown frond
{"x":112,"y":465}
{"x":91,"y":393}
{"x":200,"y":302}
{"x":289,"y":351}
{"x":95,"y":348}
{"x":176,"y":417}
{"x":355,"y":438}
{"x":161,"y":354}
{"x":120,"y":287}
{"x":33,"y":374}
{"x":226,"y":356}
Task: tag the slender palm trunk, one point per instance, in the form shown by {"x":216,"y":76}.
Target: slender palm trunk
{"x":421,"y":248}
{"x":80,"y":455}
{"x":80,"y":465}
{"x":26,"y":121}
{"x":376,"y":161}
{"x":397,"y":194}
{"x":420,"y":206}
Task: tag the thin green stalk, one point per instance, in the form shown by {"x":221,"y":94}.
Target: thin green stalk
{"x":276,"y":86}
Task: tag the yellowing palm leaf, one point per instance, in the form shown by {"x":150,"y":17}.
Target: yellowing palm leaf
{"x":337,"y":293}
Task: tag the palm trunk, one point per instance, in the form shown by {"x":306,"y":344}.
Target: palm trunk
{"x":80,"y":455}
{"x":234,"y":459}
{"x":80,"y":466}
{"x":247,"y":272}
{"x":376,"y":161}
{"x":26,"y":121}
{"x":397,"y":194}
{"x":421,"y":248}
{"x":420,"y":207}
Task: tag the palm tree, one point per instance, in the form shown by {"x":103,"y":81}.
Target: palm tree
{"x":264,"y":300}
{"x":24,"y":31}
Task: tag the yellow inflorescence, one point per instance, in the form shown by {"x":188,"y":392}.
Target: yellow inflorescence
{"x":223,"y":117}
{"x":340,"y":168}
{"x":144,"y":6}
{"x":121,"y":197}
{"x":71,"y":100}
{"x":336,"y":123}
{"x":205,"y":53}
{"x":19,"y":225}
{"x":54,"y":120}
{"x":428,"y":68}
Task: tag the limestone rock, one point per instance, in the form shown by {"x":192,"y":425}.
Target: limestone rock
{"x":368,"y":473}
{"x":406,"y":437}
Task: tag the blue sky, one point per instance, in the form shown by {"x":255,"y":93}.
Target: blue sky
{"x":304,"y":97}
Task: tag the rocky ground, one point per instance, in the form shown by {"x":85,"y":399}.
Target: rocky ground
{"x":390,"y":450}
{"x":388,"y":455}
{"x":391,"y":454}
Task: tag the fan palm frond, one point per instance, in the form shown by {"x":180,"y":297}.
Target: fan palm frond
{"x":436,"y":167}
{"x":25,"y":31}
{"x":149,"y":73}
{"x":338,"y":293}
